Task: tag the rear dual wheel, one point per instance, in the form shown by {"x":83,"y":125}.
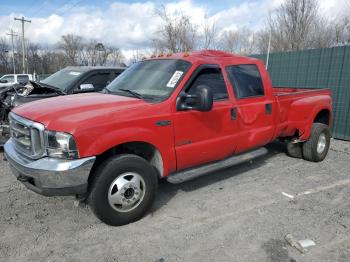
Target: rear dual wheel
{"x":316,"y":148}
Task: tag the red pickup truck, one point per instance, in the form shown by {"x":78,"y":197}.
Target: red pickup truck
{"x":176,"y":116}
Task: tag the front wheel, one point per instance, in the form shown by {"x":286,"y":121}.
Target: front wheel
{"x":123,"y":189}
{"x":316,"y":148}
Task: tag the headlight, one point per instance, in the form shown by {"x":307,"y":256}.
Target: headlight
{"x":60,"y":145}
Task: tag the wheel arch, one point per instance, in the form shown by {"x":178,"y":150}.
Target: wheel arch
{"x":323,"y":117}
{"x":305,"y":111}
{"x":320,"y":115}
{"x":146,"y":150}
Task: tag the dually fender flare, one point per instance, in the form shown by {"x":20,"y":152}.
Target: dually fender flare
{"x":303,"y":112}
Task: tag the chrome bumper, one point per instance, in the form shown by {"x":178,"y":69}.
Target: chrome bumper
{"x":49,"y":176}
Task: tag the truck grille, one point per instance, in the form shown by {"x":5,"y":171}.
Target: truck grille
{"x":28,"y":136}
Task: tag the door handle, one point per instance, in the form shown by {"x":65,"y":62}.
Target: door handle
{"x":233,"y":113}
{"x":268,"y":109}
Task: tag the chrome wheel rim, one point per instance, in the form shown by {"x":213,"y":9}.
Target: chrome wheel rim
{"x":321,"y":144}
{"x":126,"y":192}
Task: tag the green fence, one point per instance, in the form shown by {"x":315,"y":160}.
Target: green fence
{"x":317,"y":68}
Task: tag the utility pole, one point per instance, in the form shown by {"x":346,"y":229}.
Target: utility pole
{"x":23,"y":47}
{"x":13,"y":34}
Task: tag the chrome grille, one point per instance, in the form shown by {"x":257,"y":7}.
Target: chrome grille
{"x":28,"y":136}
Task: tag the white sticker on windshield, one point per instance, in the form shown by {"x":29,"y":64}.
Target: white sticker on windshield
{"x":174,"y":79}
{"x":74,"y":73}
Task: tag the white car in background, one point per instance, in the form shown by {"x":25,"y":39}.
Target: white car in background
{"x":11,"y":79}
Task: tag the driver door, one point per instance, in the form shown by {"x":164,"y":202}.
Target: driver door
{"x":202,"y":137}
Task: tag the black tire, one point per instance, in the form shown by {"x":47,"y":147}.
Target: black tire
{"x":103,"y":177}
{"x":294,"y":149}
{"x":310,"y":152}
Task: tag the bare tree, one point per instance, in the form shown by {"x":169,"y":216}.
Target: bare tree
{"x":4,"y":55}
{"x":176,"y":34}
{"x":240,"y":41}
{"x":322,"y":34}
{"x":72,"y":46}
{"x":95,"y":53}
{"x":103,"y":53}
{"x":342,"y":31}
{"x":230,"y":41}
{"x":295,"y":25}
{"x":115,"y":57}
{"x":52,"y":61}
{"x":33,"y":57}
{"x":210,"y":34}
{"x":70,"y":50}
{"x":90,"y":53}
{"x":138,"y":55}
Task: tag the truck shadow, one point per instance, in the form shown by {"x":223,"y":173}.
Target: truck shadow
{"x":167,"y":190}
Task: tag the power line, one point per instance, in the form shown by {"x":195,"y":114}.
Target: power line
{"x":23,"y":45}
{"x":57,"y":9}
{"x":70,"y":3}
{"x":32,"y":6}
{"x":13,"y":34}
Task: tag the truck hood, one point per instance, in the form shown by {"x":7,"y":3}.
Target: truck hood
{"x":67,"y":112}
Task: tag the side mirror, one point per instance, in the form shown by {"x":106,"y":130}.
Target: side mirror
{"x":201,"y":100}
{"x":3,"y":81}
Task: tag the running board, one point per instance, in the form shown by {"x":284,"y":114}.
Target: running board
{"x":189,"y":174}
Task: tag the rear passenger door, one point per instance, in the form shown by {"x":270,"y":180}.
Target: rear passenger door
{"x":253,"y":106}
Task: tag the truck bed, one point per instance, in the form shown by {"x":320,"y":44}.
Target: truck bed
{"x":286,"y":91}
{"x":291,"y":102}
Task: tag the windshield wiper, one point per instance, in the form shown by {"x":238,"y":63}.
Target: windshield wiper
{"x":133,"y":93}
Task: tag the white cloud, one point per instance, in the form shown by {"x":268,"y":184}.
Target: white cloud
{"x":130,"y":26}
{"x":334,"y":8}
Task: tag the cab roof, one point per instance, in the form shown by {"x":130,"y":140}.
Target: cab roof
{"x":208,"y":56}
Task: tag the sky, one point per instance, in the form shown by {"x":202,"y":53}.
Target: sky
{"x":130,"y":25}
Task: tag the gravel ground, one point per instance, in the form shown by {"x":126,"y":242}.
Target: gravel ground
{"x":238,"y":214}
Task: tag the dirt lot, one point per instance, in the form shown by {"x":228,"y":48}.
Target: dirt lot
{"x":238,"y":214}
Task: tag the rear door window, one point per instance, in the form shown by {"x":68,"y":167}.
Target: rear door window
{"x":246,"y":80}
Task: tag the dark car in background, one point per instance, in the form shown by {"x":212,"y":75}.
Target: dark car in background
{"x":70,"y":80}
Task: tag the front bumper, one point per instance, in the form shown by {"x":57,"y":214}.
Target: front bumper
{"x":50,"y":176}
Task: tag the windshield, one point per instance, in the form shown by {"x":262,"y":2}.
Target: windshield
{"x":154,"y":79}
{"x":63,"y":78}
